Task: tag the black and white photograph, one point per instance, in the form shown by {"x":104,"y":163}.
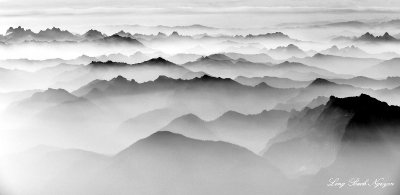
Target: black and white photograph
{"x":199,"y":97}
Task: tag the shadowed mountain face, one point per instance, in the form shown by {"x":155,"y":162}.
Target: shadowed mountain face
{"x":342,"y":134}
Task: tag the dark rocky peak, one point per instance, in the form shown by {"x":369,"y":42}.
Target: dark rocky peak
{"x":362,"y":103}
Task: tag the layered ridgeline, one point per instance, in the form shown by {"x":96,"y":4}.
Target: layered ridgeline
{"x":163,"y":163}
{"x":21,"y":35}
{"x":353,"y":137}
{"x":249,"y":131}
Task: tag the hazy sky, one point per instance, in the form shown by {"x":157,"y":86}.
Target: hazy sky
{"x":251,"y":13}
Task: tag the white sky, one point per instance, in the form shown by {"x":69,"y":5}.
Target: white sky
{"x":37,"y":14}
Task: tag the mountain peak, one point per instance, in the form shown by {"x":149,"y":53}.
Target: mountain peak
{"x":174,"y":34}
{"x":356,"y":103}
{"x":93,"y":34}
{"x":119,"y":78}
{"x":219,"y":57}
{"x":321,"y":82}
{"x":158,"y":61}
{"x":53,"y":95}
{"x":163,"y":78}
{"x":191,"y":118}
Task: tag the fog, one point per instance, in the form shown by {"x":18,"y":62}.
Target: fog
{"x":141,"y":109}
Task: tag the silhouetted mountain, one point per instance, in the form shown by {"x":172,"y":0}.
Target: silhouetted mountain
{"x":366,"y":82}
{"x":157,"y":62}
{"x":93,"y":35}
{"x":18,"y":34}
{"x":383,"y":69}
{"x":371,"y":38}
{"x":338,"y":64}
{"x":38,"y":102}
{"x":250,"y":131}
{"x":273,"y":81}
{"x":324,"y":132}
{"x":118,"y":82}
{"x":191,"y":126}
{"x":321,"y":83}
{"x":285,"y":52}
{"x":275,"y":36}
{"x":256,"y":58}
{"x":147,"y":123}
{"x":55,"y":34}
{"x":220,"y":64}
{"x":368,"y":145}
{"x":117,"y":39}
{"x":52,"y":95}
{"x":219,"y":57}
{"x":323,"y":87}
{"x":350,"y":51}
{"x":234,"y":68}
{"x":197,"y":167}
{"x":183,"y":58}
{"x":347,"y":24}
